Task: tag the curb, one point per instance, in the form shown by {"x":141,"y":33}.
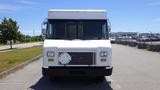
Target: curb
{"x":18,"y":67}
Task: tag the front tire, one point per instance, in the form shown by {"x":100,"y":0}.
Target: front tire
{"x":44,"y":71}
{"x":100,"y":78}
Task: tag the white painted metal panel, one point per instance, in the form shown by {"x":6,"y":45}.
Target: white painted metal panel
{"x":78,"y":46}
{"x":74,"y":44}
{"x":76,"y":14}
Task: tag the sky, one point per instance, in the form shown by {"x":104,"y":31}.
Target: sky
{"x":124,"y":15}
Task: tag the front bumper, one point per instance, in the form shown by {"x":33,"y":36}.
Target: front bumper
{"x":77,"y":71}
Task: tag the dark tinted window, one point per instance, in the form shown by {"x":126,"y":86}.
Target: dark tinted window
{"x":77,"y":29}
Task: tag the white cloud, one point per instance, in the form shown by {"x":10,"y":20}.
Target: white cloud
{"x":8,"y":7}
{"x":27,"y":2}
{"x":15,"y":5}
{"x":154,"y":4}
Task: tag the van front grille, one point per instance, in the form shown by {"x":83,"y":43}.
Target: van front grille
{"x":82,"y":58}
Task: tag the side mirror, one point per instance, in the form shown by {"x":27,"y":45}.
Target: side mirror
{"x":43,"y":26}
{"x":109,"y":29}
{"x":109,"y":26}
{"x":44,"y":31}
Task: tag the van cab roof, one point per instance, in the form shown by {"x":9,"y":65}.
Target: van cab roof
{"x":77,"y":14}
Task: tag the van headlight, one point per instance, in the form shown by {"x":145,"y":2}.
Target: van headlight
{"x":64,"y":58}
{"x":50,"y":54}
{"x":103,"y":54}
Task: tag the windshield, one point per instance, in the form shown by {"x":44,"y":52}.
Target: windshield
{"x":77,"y":29}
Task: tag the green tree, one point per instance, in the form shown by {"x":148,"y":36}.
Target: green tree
{"x":9,"y":31}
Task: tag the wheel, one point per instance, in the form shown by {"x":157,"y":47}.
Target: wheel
{"x":100,"y":78}
{"x":51,"y":78}
{"x":44,"y":72}
{"x":54,"y":78}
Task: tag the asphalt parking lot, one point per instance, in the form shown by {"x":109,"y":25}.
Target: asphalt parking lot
{"x":134,"y":69}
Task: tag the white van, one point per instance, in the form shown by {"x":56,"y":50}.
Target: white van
{"x":77,"y":44}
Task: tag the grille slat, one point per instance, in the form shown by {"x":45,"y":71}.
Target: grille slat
{"x":82,"y":58}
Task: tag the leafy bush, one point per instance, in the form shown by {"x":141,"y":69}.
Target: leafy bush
{"x":113,"y":42}
{"x":132,"y":44}
{"x":155,"y":48}
{"x":142,"y":45}
{"x":149,"y":47}
{"x":125,"y":42}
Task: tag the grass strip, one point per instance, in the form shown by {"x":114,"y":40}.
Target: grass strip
{"x":12,"y":58}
